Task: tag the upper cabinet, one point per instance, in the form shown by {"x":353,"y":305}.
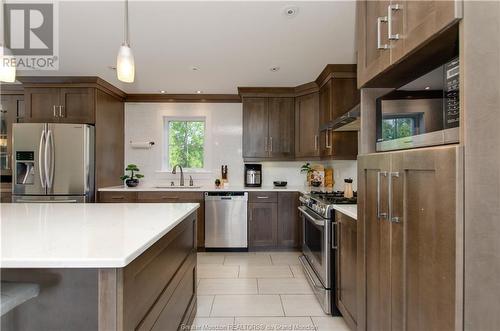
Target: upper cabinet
{"x":307,"y":126}
{"x":62,"y":105}
{"x":11,"y":111}
{"x":390,"y":30}
{"x":268,"y":128}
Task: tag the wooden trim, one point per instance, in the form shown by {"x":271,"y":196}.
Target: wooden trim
{"x":305,"y":89}
{"x":337,"y":71}
{"x":72,"y":81}
{"x":266,"y":92}
{"x":11,"y":89}
{"x":213,"y":98}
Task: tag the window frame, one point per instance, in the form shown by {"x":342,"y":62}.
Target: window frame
{"x":166,"y":143}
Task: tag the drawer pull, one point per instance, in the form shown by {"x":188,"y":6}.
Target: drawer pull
{"x":262,"y":197}
{"x":117,"y":198}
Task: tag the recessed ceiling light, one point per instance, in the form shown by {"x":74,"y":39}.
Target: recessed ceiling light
{"x":195,"y":68}
{"x":112,"y":67}
{"x":291,"y":11}
{"x":163,"y":91}
{"x":199,"y":92}
{"x":427,"y":87}
{"x":274,"y":68}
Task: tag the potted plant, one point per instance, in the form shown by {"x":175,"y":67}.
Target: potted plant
{"x":306,"y":169}
{"x":132,"y":180}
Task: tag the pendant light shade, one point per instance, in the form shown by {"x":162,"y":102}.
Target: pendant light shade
{"x":125,"y":65}
{"x":7,"y":65}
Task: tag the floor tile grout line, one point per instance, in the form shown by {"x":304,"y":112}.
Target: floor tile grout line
{"x":212,"y":306}
{"x":282,"y":306}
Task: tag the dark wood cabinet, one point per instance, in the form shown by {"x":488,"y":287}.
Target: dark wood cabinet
{"x":325,"y":104}
{"x":268,"y":128}
{"x":338,"y":145}
{"x":289,"y":226}
{"x":117,"y":196}
{"x":62,"y":105}
{"x":307,"y":126}
{"x":262,"y":225}
{"x":407,"y":256}
{"x":346,"y":280}
{"x":412,"y":23}
{"x":11,"y":111}
{"x":273,"y":220}
{"x":281,"y":128}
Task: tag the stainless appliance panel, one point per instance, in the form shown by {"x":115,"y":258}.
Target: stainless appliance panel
{"x":226,"y":220}
{"x":49,"y":199}
{"x":28,"y":141}
{"x":317,"y":244}
{"x":68,"y":158}
{"x":323,"y":294}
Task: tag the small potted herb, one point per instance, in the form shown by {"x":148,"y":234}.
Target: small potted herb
{"x":306,"y":169}
{"x":132,"y":180}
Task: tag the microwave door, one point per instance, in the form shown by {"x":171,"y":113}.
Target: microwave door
{"x":67,"y":159}
{"x":28,"y":141}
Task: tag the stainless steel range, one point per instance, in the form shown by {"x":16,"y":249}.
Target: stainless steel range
{"x":318,"y":246}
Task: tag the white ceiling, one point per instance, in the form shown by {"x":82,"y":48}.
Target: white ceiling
{"x":233,"y":43}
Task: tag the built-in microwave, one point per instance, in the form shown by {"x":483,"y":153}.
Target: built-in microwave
{"x":424,"y":112}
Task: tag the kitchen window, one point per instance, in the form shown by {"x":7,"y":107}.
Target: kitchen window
{"x":185,"y":143}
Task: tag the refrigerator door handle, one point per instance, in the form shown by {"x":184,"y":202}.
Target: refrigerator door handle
{"x":379,"y":213}
{"x":49,"y":155}
{"x":41,"y":160}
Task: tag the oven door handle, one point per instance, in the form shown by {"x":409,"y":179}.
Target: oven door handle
{"x":304,"y":263}
{"x":318,"y":222}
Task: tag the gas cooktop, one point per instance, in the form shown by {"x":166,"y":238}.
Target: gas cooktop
{"x":334,"y":198}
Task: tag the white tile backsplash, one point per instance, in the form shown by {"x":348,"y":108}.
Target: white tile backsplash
{"x":144,"y":122}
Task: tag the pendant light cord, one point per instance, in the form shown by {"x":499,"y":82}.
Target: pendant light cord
{"x":127,"y":39}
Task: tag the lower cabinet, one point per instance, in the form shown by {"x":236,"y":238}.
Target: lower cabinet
{"x":345,"y":268}
{"x":273,"y":222}
{"x":166,"y":197}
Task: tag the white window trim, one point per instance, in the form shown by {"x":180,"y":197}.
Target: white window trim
{"x":165,"y":160}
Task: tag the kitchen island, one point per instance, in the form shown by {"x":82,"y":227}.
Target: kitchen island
{"x":101,"y":266}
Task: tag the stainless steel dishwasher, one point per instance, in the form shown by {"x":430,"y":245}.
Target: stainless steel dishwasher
{"x":226,"y":220}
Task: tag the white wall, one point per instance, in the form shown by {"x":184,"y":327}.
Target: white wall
{"x":144,"y":122}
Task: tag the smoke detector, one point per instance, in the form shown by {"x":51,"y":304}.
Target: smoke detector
{"x":291,"y":11}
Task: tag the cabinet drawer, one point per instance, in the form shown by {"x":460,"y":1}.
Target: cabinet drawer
{"x":271,"y":197}
{"x":117,"y":197}
{"x":169,"y":196}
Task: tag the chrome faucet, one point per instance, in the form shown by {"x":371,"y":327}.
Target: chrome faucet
{"x":181,"y":182}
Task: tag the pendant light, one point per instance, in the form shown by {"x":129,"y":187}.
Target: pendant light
{"x":125,"y":67}
{"x":7,"y":64}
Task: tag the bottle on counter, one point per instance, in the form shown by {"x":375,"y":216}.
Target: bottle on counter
{"x":348,"y":192}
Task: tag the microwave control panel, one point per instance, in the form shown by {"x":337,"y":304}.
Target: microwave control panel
{"x":451,"y":94}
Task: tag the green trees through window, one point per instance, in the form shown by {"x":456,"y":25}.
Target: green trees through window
{"x":398,"y":127}
{"x":186,"y":143}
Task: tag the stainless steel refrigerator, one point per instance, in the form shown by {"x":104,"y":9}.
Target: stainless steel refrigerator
{"x":53,"y":162}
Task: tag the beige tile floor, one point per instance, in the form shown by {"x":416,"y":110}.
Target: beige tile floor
{"x":257,"y":291}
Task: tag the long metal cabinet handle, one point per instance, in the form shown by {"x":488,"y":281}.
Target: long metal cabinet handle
{"x":265,"y":145}
{"x":41,"y":159}
{"x":381,"y":20}
{"x":390,"y":9}
{"x":270,"y":144}
{"x":49,"y":155}
{"x":380,"y":214}
{"x":327,"y":140}
{"x":392,"y":218}
{"x":60,"y":111}
{"x":316,"y":138}
{"x":54,"y":109}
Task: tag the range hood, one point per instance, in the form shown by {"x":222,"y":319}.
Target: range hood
{"x":350,"y":121}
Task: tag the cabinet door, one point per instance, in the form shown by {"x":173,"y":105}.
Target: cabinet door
{"x":281,"y":128}
{"x":288,"y":220}
{"x":423,"y":256}
{"x":325,"y":143}
{"x":262,"y":225}
{"x":42,"y":104}
{"x":344,"y":145}
{"x":11,"y":108}
{"x":325,"y":103}
{"x":371,"y":59}
{"x":422,"y":20}
{"x":345,"y":95}
{"x":77,"y":105}
{"x":374,"y":286}
{"x":255,"y":128}
{"x":307,"y":125}
{"x":346,"y":268}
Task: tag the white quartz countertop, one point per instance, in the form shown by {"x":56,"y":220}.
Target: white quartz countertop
{"x":208,"y":188}
{"x":94,"y":235}
{"x":349,"y":210}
